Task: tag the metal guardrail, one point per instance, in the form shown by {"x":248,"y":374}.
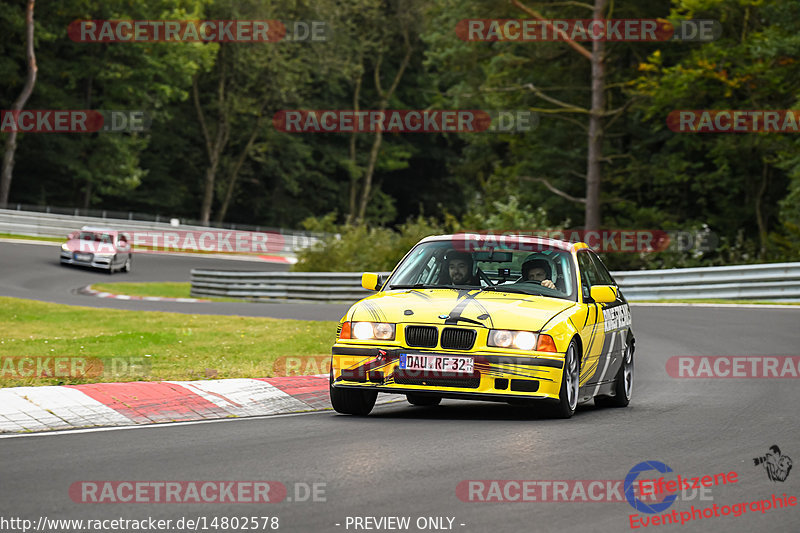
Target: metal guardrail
{"x":779,"y":282}
{"x":60,"y":225}
{"x":776,"y":281}
{"x":295,"y":286}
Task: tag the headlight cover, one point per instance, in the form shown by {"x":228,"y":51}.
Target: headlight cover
{"x":504,"y":338}
{"x":382,"y":331}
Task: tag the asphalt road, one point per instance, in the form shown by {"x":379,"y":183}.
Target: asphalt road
{"x":408,"y":461}
{"x":32,"y":271}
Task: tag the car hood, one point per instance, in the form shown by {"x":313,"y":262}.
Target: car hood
{"x":504,"y":310}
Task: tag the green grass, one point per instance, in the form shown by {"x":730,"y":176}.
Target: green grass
{"x":717,"y":301}
{"x":32,"y":238}
{"x":162,"y":289}
{"x":163,"y":345}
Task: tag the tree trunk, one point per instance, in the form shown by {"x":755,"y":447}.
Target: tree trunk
{"x":376,"y":144}
{"x":223,"y":210}
{"x":27,"y":89}
{"x":373,"y":159}
{"x":215,"y":147}
{"x":762,"y":224}
{"x":592,"y":219}
{"x":354,"y":171}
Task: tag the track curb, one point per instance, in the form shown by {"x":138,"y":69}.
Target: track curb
{"x":48,"y":408}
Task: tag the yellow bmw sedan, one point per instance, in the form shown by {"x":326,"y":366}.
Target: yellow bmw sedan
{"x":513,"y":319}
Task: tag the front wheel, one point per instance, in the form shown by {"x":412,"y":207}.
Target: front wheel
{"x":623,"y":383}
{"x":353,"y":401}
{"x":570,"y":384}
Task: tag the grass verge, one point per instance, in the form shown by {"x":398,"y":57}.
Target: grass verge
{"x":161,"y":289}
{"x":31,"y":237}
{"x":181,"y":289}
{"x":147,"y":346}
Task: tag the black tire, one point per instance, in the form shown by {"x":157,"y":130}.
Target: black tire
{"x":127,"y":266}
{"x":570,"y":383}
{"x":423,"y":400}
{"x":623,"y":383}
{"x":353,"y":401}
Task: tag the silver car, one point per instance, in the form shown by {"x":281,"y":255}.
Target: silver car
{"x":102,"y":248}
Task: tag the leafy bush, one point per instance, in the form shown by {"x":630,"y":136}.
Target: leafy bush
{"x":360,"y":248}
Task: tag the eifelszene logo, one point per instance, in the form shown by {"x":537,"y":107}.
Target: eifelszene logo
{"x":777,"y":465}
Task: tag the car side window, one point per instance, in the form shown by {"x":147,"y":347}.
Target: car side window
{"x":589,"y":274}
{"x":604,"y":276}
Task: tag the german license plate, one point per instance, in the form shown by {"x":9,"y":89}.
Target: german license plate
{"x":437,"y":363}
{"x":83,"y":257}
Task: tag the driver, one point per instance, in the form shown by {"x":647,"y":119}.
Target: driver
{"x":459,"y":267}
{"x":538,"y":269}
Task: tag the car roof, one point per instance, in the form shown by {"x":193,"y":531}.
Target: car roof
{"x":500,"y":237}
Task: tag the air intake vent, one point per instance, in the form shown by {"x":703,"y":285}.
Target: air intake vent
{"x":405,"y":377}
{"x":458,"y":339}
{"x":421,"y":336}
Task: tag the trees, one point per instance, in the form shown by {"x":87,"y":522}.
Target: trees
{"x":30,"y":80}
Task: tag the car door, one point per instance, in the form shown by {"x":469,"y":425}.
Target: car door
{"x":591,"y":330}
{"x":615,"y":322}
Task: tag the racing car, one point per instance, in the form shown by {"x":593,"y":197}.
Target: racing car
{"x":523,"y":320}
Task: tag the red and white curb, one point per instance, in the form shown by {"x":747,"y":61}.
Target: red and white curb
{"x":24,"y":409}
{"x":89,"y":291}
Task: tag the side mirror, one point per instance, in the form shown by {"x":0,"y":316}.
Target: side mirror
{"x":371,"y":281}
{"x":604,"y":294}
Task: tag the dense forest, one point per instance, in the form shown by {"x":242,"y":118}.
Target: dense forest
{"x":601,"y":155}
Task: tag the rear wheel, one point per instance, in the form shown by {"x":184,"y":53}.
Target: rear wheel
{"x":422,"y":399}
{"x":623,"y":383}
{"x":353,"y":401}
{"x":570,"y":384}
{"x":127,"y":266}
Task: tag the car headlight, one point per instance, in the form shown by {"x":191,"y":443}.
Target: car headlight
{"x":383,"y":331}
{"x":65,"y":248}
{"x":504,"y":338}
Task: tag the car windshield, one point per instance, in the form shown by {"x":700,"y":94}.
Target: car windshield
{"x":97,"y":237}
{"x":477,"y":264}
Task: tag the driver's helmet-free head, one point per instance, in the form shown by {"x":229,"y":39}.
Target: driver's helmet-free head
{"x":537,"y":261}
{"x":454,"y":255}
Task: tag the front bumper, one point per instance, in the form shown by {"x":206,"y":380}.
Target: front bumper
{"x":496,"y":376}
{"x":86,"y":260}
